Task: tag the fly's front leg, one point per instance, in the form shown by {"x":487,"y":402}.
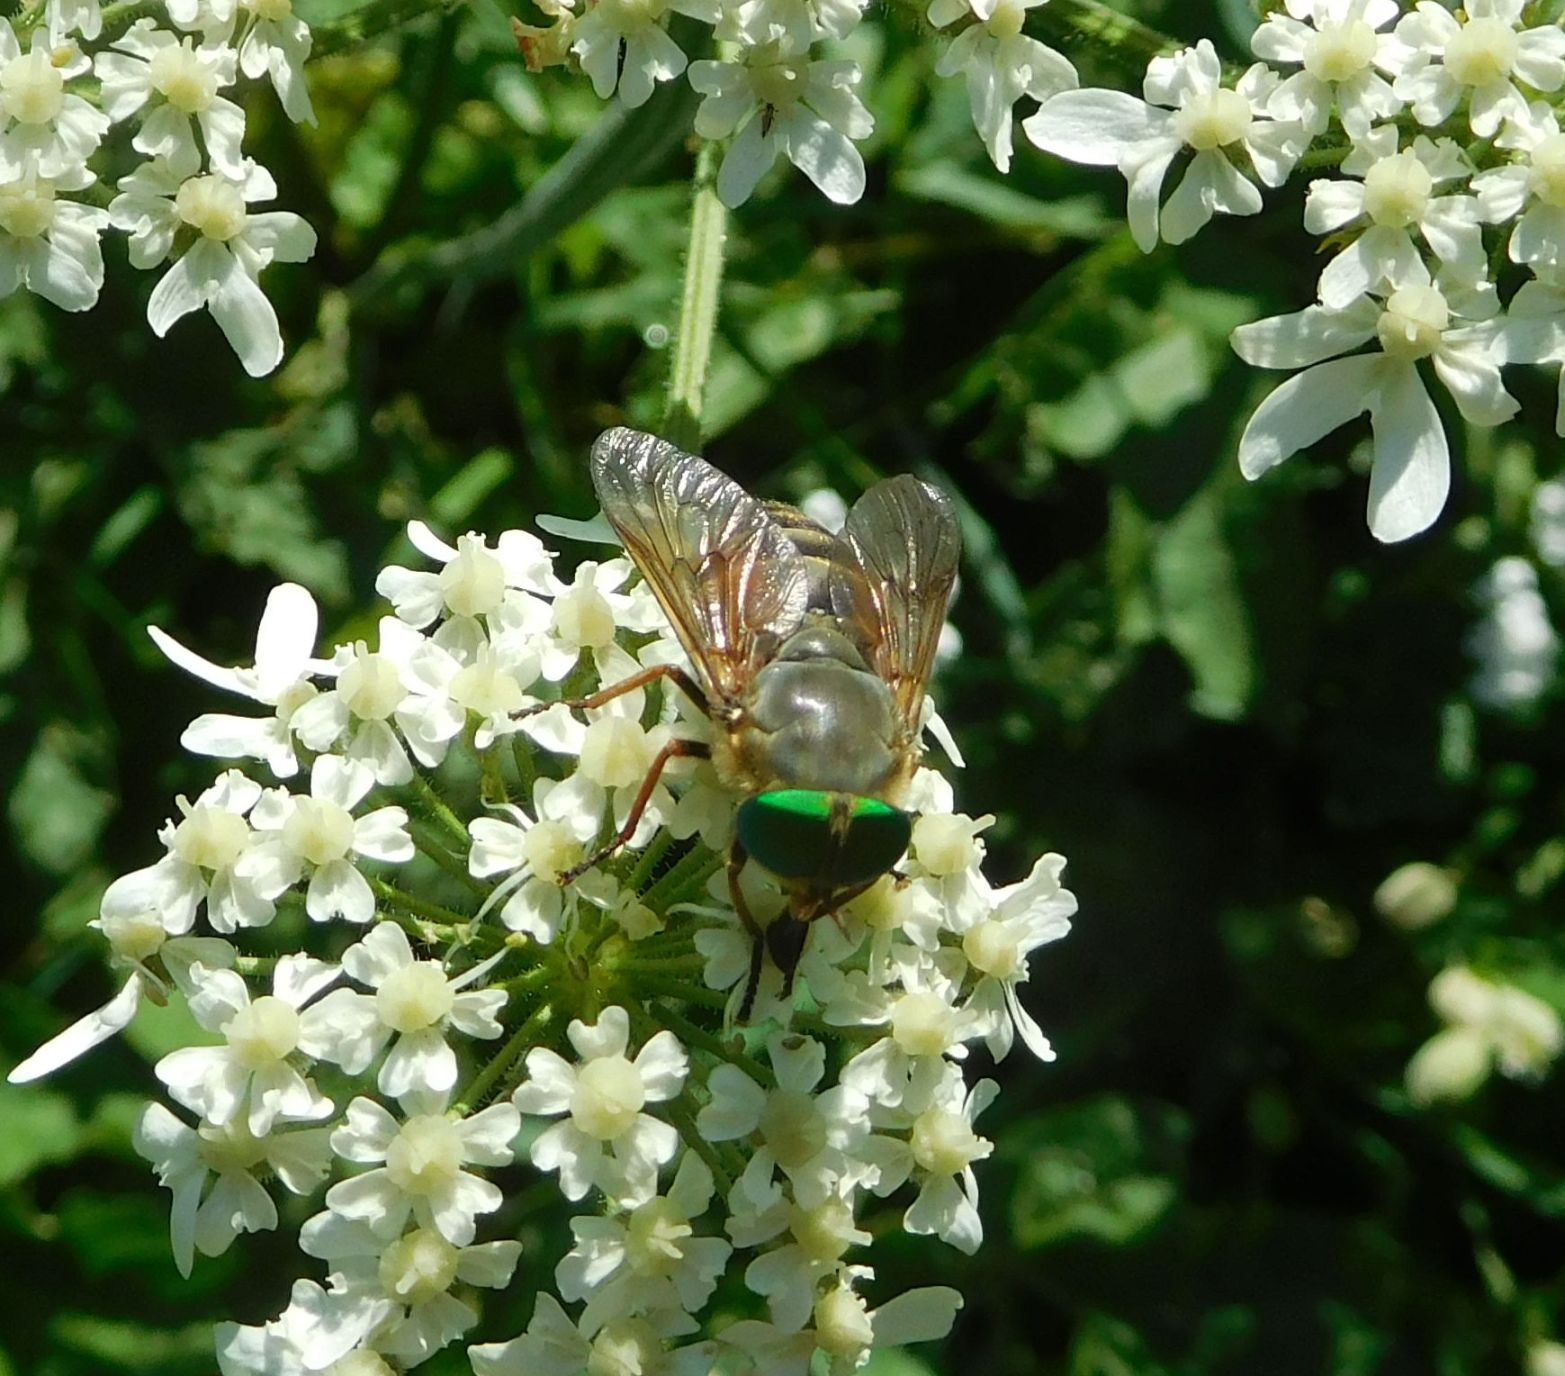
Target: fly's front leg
{"x":675,"y":749}
{"x":737,"y":855}
{"x":687,"y":685}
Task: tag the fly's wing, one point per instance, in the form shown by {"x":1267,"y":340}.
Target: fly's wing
{"x":728,"y":577}
{"x":905,"y":542}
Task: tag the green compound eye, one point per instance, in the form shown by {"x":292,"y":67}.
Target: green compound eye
{"x":836,"y":840}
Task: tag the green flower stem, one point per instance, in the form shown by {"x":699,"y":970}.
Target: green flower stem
{"x":523,"y":1039}
{"x":698,"y":304}
{"x":668,"y":964}
{"x":526,"y":767}
{"x":1125,"y":42}
{"x":439,"y":809}
{"x":682,"y":990}
{"x":647,"y":861}
{"x":684,"y":881}
{"x":431,"y":846}
{"x":692,"y":1035}
{"x":491,"y":777}
{"x":682,"y":1114}
{"x":446,"y":923}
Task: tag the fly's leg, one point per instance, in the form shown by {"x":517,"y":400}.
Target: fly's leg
{"x":697,"y":750}
{"x":737,"y":855}
{"x":687,"y":685}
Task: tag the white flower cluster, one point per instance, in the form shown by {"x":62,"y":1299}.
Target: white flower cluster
{"x":770,"y":94}
{"x":442,"y":989}
{"x":1488,"y":1026}
{"x":66,"y":79}
{"x":1419,"y":223}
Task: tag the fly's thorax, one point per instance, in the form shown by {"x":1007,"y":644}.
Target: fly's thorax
{"x":822,"y":845}
{"x":819,"y":723}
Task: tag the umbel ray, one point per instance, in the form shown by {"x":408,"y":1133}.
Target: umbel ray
{"x":811,"y":653}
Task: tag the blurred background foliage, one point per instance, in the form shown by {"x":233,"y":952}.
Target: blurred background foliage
{"x":1232,"y":711}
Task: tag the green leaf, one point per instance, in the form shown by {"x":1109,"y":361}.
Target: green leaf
{"x":1093,"y":1170}
{"x":56,"y":814}
{"x":1202,"y":608}
{"x":40,"y":1127}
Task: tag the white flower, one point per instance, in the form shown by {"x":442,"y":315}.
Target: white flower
{"x":277,"y":45}
{"x":474,"y":580}
{"x":797,"y":24}
{"x":209,"y":1219}
{"x":937,"y":1113}
{"x":1395,"y":197}
{"x":1338,"y":44}
{"x":279,"y":678}
{"x":42,"y":126}
{"x":605,"y":1139}
{"x":369,"y":695}
{"x":414,"y":1003}
{"x":181,"y":82}
{"x":255,"y":1064}
{"x":1002,"y":64}
{"x":586,"y":614}
{"x":49,"y":245}
{"x":485,"y":679}
{"x":423,"y":1174}
{"x":1186,"y":106}
{"x":407,"y":1284}
{"x":789,"y":1275}
{"x":1440,"y":58}
{"x":318,"y":833}
{"x":997,"y":942}
{"x":782,"y":102}
{"x":623,"y":44}
{"x":205,"y":848}
{"x":809,"y":1137}
{"x":846,"y":1329}
{"x":142,"y":928}
{"x":638,"y":1346}
{"x":1487,"y":1025}
{"x":1515,"y":645}
{"x":232,"y":247}
{"x":63,"y":17}
{"x":1530,"y":191}
{"x":536,"y":853}
{"x":1548,"y":522}
{"x":648,"y":1260}
{"x":1411,"y":472}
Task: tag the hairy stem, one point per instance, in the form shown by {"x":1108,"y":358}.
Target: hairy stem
{"x":698,"y":304}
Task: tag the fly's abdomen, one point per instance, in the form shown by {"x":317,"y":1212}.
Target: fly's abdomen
{"x":820,"y":723}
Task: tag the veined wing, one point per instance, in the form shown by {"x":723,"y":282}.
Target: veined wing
{"x":904,"y":536}
{"x":728,"y":578}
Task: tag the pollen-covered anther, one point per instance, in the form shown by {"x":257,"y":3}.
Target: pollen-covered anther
{"x":1483,"y":51}
{"x":419,"y":1266}
{"x":923,"y":1024}
{"x":608,"y":1097}
{"x":319,"y":830}
{"x":211,"y":837}
{"x":414,"y":997}
{"x":1397,"y":190}
{"x":793,"y":1127}
{"x":1413,"y":322}
{"x":370,"y":686}
{"x":265,"y":1032}
{"x":1337,"y":52}
{"x":992,"y":949}
{"x":425,"y":1157}
{"x":1214,"y":119}
{"x":944,"y":1143}
{"x":473,"y":583}
{"x":584,"y":617}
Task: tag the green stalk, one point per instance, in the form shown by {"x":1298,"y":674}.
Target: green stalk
{"x":523,"y":1039}
{"x":698,"y":304}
